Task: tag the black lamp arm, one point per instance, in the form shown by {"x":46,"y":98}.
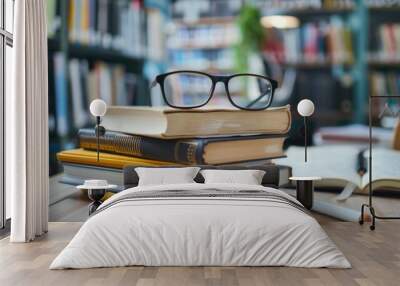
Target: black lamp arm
{"x":100,"y":131}
{"x":305,"y":139}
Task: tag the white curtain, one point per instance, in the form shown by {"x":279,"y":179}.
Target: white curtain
{"x":26,"y":124}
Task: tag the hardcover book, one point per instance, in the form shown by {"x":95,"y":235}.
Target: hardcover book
{"x":201,"y":122}
{"x":203,"y":151}
{"x":338,"y":167}
{"x":85,"y":157}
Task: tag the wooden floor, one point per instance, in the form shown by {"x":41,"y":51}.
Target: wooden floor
{"x":375,"y":257}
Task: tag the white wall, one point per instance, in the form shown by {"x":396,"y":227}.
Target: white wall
{"x":8,"y":85}
{"x":9,"y":19}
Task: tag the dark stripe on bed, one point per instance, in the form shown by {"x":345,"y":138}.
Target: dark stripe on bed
{"x":187,"y":195}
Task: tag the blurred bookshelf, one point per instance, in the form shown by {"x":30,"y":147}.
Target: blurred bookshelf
{"x":366,"y":62}
{"x":384,"y":59}
{"x":98,"y":49}
{"x":342,"y":51}
{"x":205,"y":43}
{"x":338,"y":51}
{"x":319,"y":10}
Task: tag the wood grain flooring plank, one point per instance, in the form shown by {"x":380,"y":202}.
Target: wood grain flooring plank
{"x":375,"y":257}
{"x":213,"y":282}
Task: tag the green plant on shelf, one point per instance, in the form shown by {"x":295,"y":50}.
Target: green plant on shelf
{"x":252,"y":36}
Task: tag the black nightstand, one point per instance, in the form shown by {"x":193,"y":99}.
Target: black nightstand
{"x":96,"y":190}
{"x":95,"y":195}
{"x":305,"y":190}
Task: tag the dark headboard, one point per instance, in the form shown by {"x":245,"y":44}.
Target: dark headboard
{"x":271,"y":177}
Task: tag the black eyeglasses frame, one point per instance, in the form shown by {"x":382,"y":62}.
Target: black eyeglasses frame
{"x":214,"y":79}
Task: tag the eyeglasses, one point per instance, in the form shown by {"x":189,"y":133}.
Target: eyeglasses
{"x":191,"y":89}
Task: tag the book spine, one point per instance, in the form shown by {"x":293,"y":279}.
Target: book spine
{"x":185,"y":152}
{"x":61,"y":105}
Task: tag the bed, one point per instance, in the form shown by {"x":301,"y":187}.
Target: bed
{"x":198,"y":224}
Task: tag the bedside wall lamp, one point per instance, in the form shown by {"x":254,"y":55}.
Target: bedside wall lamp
{"x":98,"y":109}
{"x":305,"y":108}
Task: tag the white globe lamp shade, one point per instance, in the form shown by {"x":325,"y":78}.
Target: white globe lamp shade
{"x":98,"y":107}
{"x":305,"y":107}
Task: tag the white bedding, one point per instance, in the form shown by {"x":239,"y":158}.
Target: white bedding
{"x":185,"y":231}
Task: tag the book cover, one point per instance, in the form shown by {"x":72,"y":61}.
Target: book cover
{"x":79,"y":114}
{"x":61,"y":102}
{"x":219,"y":150}
{"x":85,"y":157}
{"x":202,"y":122}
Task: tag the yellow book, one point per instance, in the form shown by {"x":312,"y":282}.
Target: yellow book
{"x":84,"y":25}
{"x":396,"y":136}
{"x":348,"y":46}
{"x":106,"y":196}
{"x":81,"y":156}
{"x":71,"y":16}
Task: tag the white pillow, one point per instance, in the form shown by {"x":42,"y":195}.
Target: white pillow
{"x":166,"y":176}
{"x":248,"y":177}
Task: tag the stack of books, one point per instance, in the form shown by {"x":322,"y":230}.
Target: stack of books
{"x":309,"y":4}
{"x":385,"y":83}
{"x":149,"y":136}
{"x":386,"y":44}
{"x":126,"y":26}
{"x":109,"y":24}
{"x":206,"y":44}
{"x":314,"y":43}
{"x":382,"y":4}
{"x":113,"y":83}
{"x":353,"y":134}
{"x":205,"y":35}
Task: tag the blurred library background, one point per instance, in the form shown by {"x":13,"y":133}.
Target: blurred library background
{"x":334,"y":52}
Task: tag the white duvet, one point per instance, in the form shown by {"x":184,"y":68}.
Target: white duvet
{"x":200,"y":231}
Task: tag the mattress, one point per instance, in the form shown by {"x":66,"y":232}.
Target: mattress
{"x":201,"y":225}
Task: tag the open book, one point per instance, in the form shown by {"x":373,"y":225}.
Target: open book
{"x":338,"y":166}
